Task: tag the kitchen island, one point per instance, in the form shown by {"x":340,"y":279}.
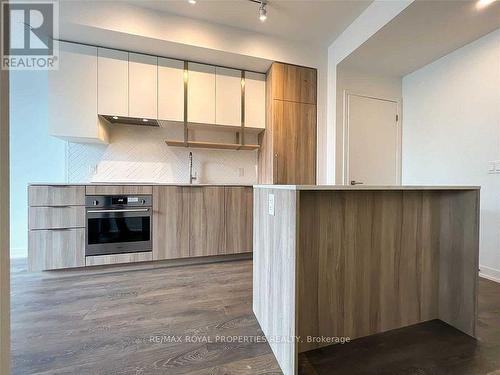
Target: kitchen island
{"x":336,"y":262}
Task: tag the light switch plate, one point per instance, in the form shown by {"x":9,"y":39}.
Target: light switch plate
{"x":271,"y":204}
{"x":491,"y":167}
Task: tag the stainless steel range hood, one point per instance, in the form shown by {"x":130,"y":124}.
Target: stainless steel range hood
{"x":131,"y":120}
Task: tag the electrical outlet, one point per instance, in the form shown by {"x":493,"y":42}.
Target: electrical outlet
{"x":271,"y":204}
{"x":92,"y":169}
{"x":497,"y":166}
{"x":491,"y":167}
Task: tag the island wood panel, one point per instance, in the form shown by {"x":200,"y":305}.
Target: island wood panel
{"x":170,"y":222}
{"x":56,"y":195}
{"x":56,"y":217}
{"x":118,"y":189}
{"x":299,"y":84}
{"x":55,"y":249}
{"x":373,"y":261}
{"x":100,"y":260}
{"x":206,"y":221}
{"x":274,"y":297}
{"x":459,"y":259}
{"x":238,"y":220}
{"x":294,"y":143}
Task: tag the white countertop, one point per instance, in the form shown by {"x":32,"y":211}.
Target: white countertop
{"x":366,"y":187}
{"x":131,"y":184}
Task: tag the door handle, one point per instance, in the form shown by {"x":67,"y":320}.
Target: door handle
{"x":119,"y":210}
{"x":354,"y":182}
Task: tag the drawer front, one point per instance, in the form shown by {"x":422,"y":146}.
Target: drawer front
{"x":56,"y":217}
{"x":54,"y":249}
{"x":56,"y":195}
{"x":100,"y":260}
{"x":118,"y":190}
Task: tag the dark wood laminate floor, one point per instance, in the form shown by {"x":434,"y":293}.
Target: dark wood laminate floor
{"x":430,"y":348}
{"x":121,"y":322}
{"x":103,"y":322}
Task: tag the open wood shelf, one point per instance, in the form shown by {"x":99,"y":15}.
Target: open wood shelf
{"x":212,"y":145}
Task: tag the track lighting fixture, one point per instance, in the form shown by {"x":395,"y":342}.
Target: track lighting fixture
{"x":192,"y":2}
{"x":263,"y":11}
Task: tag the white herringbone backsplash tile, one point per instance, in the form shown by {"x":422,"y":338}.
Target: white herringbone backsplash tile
{"x":139,"y":154}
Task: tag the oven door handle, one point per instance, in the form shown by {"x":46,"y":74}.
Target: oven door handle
{"x":119,"y":210}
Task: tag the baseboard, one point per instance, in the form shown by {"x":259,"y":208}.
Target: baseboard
{"x":18,"y":252}
{"x":489,"y":273}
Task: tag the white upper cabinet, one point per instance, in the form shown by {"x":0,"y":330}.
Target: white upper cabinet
{"x":72,"y":96}
{"x":112,"y":83}
{"x":255,"y":100}
{"x":227,"y":97}
{"x":170,"y":89}
{"x":143,"y":86}
{"x":201,"y":93}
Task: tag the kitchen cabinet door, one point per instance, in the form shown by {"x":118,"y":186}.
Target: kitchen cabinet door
{"x":227,"y":97}
{"x":72,"y":89}
{"x":170,"y":89}
{"x":143,"y":86}
{"x":55,"y":249}
{"x":239,"y":220}
{"x":299,"y":84}
{"x":170,"y":222}
{"x":201,"y":93}
{"x":206,"y":221}
{"x":294,"y":143}
{"x":255,"y":100}
{"x":112,"y":82}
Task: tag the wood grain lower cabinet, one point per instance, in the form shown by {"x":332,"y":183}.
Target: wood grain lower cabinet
{"x":101,"y":260}
{"x":56,"y":195}
{"x":55,"y":249}
{"x":170,"y":222}
{"x":206,"y":221}
{"x":238,"y":220}
{"x":56,"y":217}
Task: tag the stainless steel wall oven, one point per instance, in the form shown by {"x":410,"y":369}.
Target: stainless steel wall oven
{"x":118,"y":224}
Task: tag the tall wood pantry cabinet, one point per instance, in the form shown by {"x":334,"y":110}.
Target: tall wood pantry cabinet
{"x":288,"y":146}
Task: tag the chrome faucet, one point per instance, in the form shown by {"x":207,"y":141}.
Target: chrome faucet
{"x":191,"y":177}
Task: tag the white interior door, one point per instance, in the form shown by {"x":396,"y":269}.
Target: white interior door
{"x":373,"y":141}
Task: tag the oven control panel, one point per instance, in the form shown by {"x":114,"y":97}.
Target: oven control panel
{"x":118,"y":201}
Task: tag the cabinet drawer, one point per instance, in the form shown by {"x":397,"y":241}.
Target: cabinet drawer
{"x":56,"y":195}
{"x":56,"y":217}
{"x":117,"y":190}
{"x":100,"y":260}
{"x":53,"y":249}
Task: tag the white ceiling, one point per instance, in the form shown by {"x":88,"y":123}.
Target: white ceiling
{"x":313,"y":21}
{"x":422,"y":33}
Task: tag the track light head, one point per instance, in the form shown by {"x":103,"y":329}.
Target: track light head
{"x":263,"y":11}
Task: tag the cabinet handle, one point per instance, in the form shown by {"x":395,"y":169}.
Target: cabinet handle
{"x":275,"y":171}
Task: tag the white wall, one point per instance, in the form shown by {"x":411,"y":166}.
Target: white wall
{"x":376,"y":16}
{"x":452,"y":130}
{"x":34,"y":155}
{"x":358,"y":82}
